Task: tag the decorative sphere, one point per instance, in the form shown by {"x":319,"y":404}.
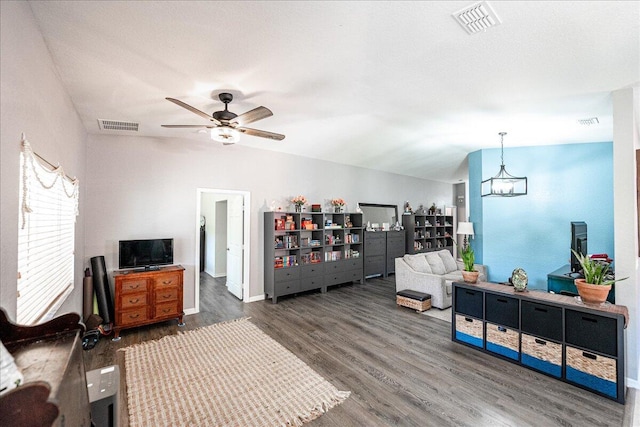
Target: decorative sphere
{"x":519,"y":279}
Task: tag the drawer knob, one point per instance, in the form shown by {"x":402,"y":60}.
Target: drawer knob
{"x":544,"y":310}
{"x":166,"y":296}
{"x":167,"y":282}
{"x":134,"y":316}
{"x":589,"y":355}
{"x":136,"y":286}
{"x":541,"y":342}
{"x":133,"y":301}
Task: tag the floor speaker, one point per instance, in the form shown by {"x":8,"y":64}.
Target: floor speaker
{"x":102,"y":289}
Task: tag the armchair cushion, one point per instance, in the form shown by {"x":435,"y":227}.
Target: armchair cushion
{"x":434,"y":260}
{"x":418,"y":262}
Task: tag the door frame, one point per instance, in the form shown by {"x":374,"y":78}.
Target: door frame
{"x":246,"y":239}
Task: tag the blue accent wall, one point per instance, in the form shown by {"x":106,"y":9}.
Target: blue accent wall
{"x":572,"y":182}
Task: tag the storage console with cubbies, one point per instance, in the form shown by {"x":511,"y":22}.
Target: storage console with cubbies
{"x":553,"y":334}
{"x":428,"y":232}
{"x":311,"y":250}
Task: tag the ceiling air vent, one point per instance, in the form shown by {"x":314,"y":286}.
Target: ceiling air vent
{"x":590,"y":121}
{"x":117,"y":125}
{"x":477,"y":17}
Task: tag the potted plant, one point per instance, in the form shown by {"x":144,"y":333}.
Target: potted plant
{"x":594,"y":287}
{"x":469,"y":274}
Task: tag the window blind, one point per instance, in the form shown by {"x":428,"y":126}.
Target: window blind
{"x":46,"y":236}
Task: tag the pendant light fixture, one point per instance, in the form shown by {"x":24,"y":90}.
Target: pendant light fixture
{"x":504,"y":184}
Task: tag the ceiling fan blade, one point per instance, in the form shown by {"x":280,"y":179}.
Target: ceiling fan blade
{"x":193,"y":110}
{"x":252,"y":116}
{"x":261,"y":133}
{"x":189,"y":126}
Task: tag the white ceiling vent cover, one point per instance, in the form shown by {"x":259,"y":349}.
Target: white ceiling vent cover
{"x":477,"y":17}
{"x":117,"y":125}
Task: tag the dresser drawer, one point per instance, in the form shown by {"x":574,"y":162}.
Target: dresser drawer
{"x":166,"y":294}
{"x":309,"y":283}
{"x":287,"y":273}
{"x":128,"y":301}
{"x":131,"y":317}
{"x":287,"y":287}
{"x":313,"y":270}
{"x":133,"y":285}
{"x":169,"y":309}
{"x":172,"y":279}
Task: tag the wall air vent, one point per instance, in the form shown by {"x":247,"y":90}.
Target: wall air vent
{"x":590,"y":121}
{"x":117,"y":125}
{"x":477,"y":17}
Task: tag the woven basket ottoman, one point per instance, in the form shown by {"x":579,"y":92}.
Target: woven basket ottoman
{"x":418,"y":301}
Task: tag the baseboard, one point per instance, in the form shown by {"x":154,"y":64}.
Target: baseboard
{"x":257,"y":298}
{"x":633,"y":383}
{"x":189,"y":311}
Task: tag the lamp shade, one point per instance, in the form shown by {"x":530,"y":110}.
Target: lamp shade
{"x":465,"y":228}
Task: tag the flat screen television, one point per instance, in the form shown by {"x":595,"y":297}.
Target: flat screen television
{"x":145,"y":253}
{"x":578,"y":243}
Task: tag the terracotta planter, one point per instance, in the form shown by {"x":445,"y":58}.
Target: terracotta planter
{"x":592,"y":294}
{"x":470,"y":276}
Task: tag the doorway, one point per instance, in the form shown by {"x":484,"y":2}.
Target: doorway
{"x":223,"y":235}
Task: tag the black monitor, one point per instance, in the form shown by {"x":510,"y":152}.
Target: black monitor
{"x":578,"y":243}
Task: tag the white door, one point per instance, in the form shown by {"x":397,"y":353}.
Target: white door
{"x":235,"y":239}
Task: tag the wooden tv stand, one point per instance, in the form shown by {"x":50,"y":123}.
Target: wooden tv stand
{"x":143,"y":297}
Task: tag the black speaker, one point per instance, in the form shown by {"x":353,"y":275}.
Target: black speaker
{"x":102,"y":289}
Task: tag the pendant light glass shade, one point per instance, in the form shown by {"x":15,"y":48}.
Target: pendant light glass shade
{"x":504,"y":184}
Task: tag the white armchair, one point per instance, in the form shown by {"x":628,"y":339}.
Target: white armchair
{"x":432,"y":273}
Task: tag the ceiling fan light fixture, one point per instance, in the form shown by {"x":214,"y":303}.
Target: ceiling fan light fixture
{"x":225,"y":134}
{"x":504,"y":184}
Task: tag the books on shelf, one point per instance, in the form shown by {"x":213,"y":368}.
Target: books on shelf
{"x":311,"y":258}
{"x":285,"y":261}
{"x":332,"y":255}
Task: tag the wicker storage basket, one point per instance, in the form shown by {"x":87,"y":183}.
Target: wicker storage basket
{"x":503,"y":341}
{"x":541,"y":354}
{"x":598,"y":366}
{"x":469,"y":330}
{"x":413,"y":303}
{"x":593,"y":371}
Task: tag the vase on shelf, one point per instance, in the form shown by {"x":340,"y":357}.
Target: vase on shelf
{"x":337,"y":209}
{"x":298,"y":208}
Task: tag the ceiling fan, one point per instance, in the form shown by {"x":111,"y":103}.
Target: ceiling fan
{"x":226,"y":126}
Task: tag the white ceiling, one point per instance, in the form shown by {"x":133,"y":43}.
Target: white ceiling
{"x":395,"y":86}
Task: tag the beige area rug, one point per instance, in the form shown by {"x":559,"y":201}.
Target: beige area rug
{"x":226,"y":374}
{"x":439,"y":314}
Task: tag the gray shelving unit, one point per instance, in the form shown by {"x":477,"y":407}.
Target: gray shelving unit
{"x":428,"y":232}
{"x":304,"y":251}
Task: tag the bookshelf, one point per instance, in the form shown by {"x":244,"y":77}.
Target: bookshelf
{"x":428,"y":232}
{"x":304,"y":251}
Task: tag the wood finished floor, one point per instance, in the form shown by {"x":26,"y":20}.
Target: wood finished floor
{"x":401,"y":367}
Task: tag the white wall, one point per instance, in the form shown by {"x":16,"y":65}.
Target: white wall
{"x":626,"y":110}
{"x":34,"y":101}
{"x":145,"y":187}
